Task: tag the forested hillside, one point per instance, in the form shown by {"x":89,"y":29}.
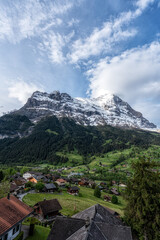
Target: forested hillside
{"x":51,"y":135}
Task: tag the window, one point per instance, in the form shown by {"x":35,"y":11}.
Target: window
{"x":17,"y":228}
{"x":6,"y":236}
{"x":13,"y":232}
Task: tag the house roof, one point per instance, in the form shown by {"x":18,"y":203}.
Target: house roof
{"x":50,"y":186}
{"x":13,"y":187}
{"x":64,"y":227}
{"x":61,"y":180}
{"x":20,"y":181}
{"x":74,"y":188}
{"x":12,"y":211}
{"x":96,"y":222}
{"x":104,"y":231}
{"x":48,"y":206}
{"x":99,"y":213}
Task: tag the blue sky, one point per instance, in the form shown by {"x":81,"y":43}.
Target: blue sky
{"x":83,"y":47}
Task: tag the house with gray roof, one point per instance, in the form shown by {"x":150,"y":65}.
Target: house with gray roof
{"x":50,"y":187}
{"x":96,"y":222}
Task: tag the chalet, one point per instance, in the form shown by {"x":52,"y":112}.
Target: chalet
{"x":107,"y":198}
{"x":83,"y":182}
{"x":91,"y":183}
{"x":55,"y":177}
{"x":96,"y":222}
{"x":73,"y":190}
{"x":20,"y":181}
{"x":74,"y":181}
{"x":13,"y":187}
{"x":114,"y":191}
{"x":61,"y":182}
{"x":33,"y":177}
{"x":50,"y":187}
{"x":48,"y":209}
{"x":27,"y":175}
{"x":12,"y":214}
{"x":17,"y":185}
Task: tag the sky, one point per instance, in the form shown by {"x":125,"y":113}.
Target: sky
{"x":85,"y":48}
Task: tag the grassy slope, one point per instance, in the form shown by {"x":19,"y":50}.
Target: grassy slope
{"x":73,"y":204}
{"x":111,"y":157}
{"x":40,"y":233}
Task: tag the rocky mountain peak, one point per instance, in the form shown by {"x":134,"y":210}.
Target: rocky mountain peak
{"x":107,"y":109}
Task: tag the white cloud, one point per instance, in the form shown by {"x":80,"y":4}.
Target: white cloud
{"x":22,"y":90}
{"x":72,"y":22}
{"x":53,"y":44}
{"x":142,"y":4}
{"x":134,"y":75}
{"x":25,"y":19}
{"x":102,"y":40}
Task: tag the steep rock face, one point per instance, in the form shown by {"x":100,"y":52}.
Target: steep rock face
{"x":107,"y":109}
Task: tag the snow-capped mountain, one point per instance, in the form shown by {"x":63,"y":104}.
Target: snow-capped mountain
{"x":107,"y":109}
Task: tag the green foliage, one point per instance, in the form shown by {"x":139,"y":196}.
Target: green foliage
{"x":52,"y":135}
{"x":4,"y":189}
{"x":23,"y":170}
{"x":143,"y":197}
{"x":19,"y":236}
{"x":97,"y":192}
{"x":40,"y":233}
{"x":114,"y":199}
{"x":39,"y":186}
{"x":29,"y":185}
{"x":13,"y":123}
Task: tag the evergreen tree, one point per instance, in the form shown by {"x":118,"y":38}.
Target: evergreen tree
{"x":97,"y":192}
{"x":143,"y":195}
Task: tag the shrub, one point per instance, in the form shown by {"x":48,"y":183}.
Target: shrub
{"x":97,"y":192}
{"x":114,"y":199}
{"x":39,"y":186}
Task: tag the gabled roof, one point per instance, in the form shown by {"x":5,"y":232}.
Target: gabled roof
{"x":12,"y":211}
{"x":64,"y":227}
{"x":61,"y":180}
{"x":100,"y":214}
{"x":74,"y":188}
{"x":99,"y":223}
{"x":49,"y":206}
{"x":49,"y":186}
{"x":109,"y":232}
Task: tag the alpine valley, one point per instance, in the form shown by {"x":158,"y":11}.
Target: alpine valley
{"x":51,"y":123}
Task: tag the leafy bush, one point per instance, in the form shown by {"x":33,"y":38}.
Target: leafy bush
{"x":114,"y":199}
{"x":39,"y":186}
{"x":29,"y":185}
{"x":97,"y":192}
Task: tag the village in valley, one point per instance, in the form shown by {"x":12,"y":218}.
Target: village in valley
{"x":45,"y":199}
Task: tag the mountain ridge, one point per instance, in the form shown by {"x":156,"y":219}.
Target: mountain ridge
{"x":107,"y":109}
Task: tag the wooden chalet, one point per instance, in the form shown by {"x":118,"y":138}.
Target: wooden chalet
{"x":61,"y":182}
{"x":48,"y":209}
{"x":114,"y":191}
{"x":107,"y":198}
{"x":73,"y":190}
{"x":83,"y":182}
{"x":50,"y":187}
